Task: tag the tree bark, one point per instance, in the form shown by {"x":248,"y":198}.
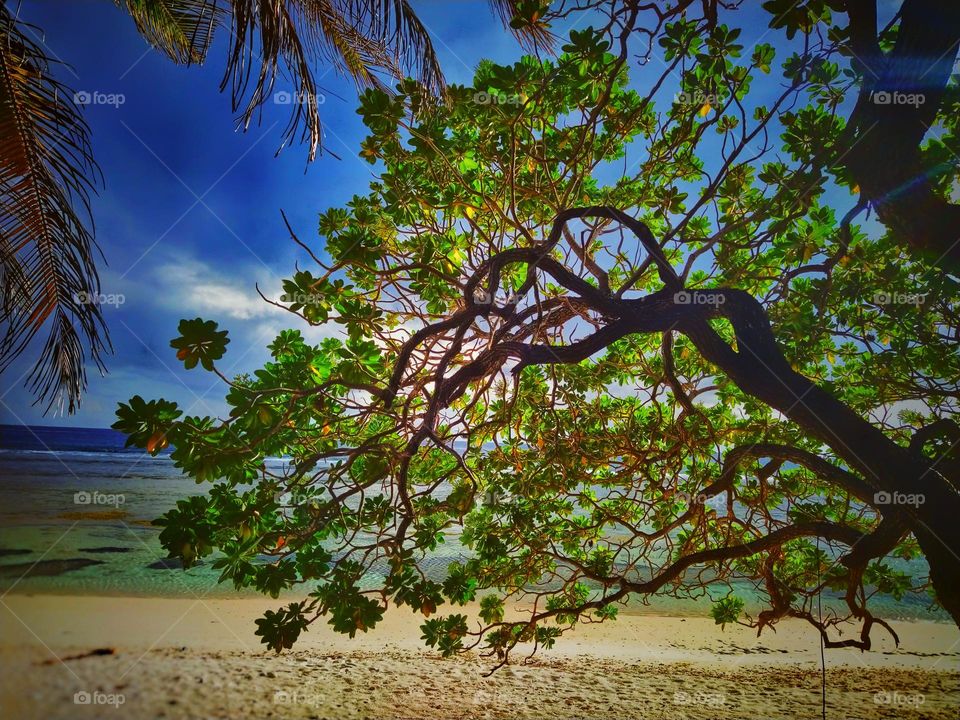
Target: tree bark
{"x":760,"y":370}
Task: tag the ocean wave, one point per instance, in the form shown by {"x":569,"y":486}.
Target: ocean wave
{"x":6,"y":452}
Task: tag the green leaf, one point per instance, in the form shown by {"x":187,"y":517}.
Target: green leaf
{"x":279,"y":630}
{"x":491,"y":609}
{"x":360,"y":613}
{"x":147,"y":424}
{"x":726,"y":610}
{"x":199,"y":341}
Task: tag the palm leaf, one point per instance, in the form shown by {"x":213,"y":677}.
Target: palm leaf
{"x":394,"y":26}
{"x":533,"y":35}
{"x":361,"y":38}
{"x":351,"y":52}
{"x":276,"y":26}
{"x":47,"y":273}
{"x":181,"y":29}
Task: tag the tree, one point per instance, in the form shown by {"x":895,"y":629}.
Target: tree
{"x":624,"y":341}
{"x":47,"y":170}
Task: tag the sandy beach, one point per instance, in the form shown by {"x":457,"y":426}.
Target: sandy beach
{"x":199,"y":658}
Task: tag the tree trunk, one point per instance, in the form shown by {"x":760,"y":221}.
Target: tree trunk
{"x":759,"y":369}
{"x":899,"y":100}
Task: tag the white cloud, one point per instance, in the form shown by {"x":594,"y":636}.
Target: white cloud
{"x":192,"y":286}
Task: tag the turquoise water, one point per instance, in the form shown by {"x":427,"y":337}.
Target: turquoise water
{"x":43,"y":520}
{"x":56,"y":539}
{"x":75,"y":512}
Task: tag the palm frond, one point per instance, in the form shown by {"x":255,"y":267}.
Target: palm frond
{"x":181,"y":29}
{"x":47,"y":271}
{"x":275,"y":24}
{"x":396,"y":28}
{"x":347,"y":48}
{"x":533,"y":35}
{"x":360,"y":38}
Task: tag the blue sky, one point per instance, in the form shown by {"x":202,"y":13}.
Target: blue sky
{"x":189,"y":218}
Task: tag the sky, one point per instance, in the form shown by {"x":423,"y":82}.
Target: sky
{"x":189,"y":218}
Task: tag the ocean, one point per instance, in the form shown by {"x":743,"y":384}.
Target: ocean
{"x":75,"y":512}
{"x":75,"y":518}
{"x":76,"y":508}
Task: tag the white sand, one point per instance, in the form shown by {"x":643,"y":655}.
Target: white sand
{"x":184,"y":658}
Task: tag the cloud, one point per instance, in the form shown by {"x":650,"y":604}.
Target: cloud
{"x":194,"y":287}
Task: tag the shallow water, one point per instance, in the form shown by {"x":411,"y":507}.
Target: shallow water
{"x":72,"y":495}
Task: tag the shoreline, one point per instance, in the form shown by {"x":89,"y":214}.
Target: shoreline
{"x":110,"y":614}
{"x":199,"y":657}
{"x":226,"y":593}
{"x":659,"y":607}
